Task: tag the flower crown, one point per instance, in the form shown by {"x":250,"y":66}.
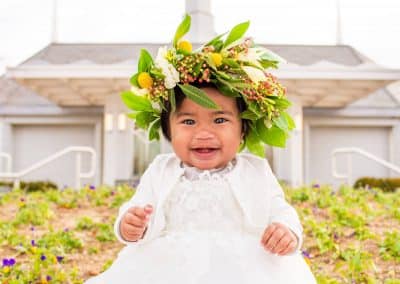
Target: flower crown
{"x":235,"y":66}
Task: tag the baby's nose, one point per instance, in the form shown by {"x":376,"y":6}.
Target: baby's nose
{"x":204,"y":134}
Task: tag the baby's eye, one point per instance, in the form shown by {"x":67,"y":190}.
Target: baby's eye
{"x":188,"y":121}
{"x":220,"y":120}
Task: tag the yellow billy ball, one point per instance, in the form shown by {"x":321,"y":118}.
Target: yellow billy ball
{"x":216,"y":58}
{"x":145,"y":80}
{"x":185,"y":45}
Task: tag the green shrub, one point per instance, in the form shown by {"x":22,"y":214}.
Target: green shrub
{"x":31,"y":186}
{"x":386,"y":184}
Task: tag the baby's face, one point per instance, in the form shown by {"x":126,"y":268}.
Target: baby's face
{"x":206,"y":138}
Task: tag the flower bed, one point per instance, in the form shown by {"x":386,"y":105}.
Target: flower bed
{"x":352,"y":236}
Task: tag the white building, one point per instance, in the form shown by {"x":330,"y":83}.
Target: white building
{"x":68,"y":94}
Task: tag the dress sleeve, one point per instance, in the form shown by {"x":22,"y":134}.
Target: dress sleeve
{"x":281,"y":211}
{"x":144,"y":194}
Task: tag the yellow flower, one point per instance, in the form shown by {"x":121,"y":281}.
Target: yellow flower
{"x":145,"y":80}
{"x":185,"y":45}
{"x":33,"y":249}
{"x":216,"y":58}
{"x":43,"y":280}
{"x":6,"y":269}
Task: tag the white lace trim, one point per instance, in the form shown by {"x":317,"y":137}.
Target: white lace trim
{"x":193,"y":173}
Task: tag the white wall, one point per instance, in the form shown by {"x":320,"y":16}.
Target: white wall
{"x":323,"y":135}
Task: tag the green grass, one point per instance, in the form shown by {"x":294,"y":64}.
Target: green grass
{"x":350,"y":236}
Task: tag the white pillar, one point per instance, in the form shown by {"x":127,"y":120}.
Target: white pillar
{"x":118,"y":143}
{"x":395,"y":149}
{"x":202,"y":26}
{"x":288,"y":162}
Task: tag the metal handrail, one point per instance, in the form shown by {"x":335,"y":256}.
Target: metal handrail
{"x":8,"y":159}
{"x":78,"y":174}
{"x":354,"y":150}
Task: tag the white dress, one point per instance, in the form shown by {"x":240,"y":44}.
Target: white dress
{"x":204,"y":242}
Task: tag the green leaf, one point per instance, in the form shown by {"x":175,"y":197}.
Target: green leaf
{"x":227,"y":90}
{"x":236,"y":33}
{"x":157,"y":73}
{"x":145,"y":61}
{"x":136,"y":102}
{"x":198,"y":96}
{"x":268,"y":64}
{"x":134,"y":80}
{"x":223,"y":75}
{"x":215,"y":40}
{"x":254,"y":107}
{"x":132,"y":115}
{"x":230,"y":62}
{"x":290,"y":122}
{"x":172,"y":100}
{"x":154,"y":131}
{"x":281,"y":103}
{"x":271,"y":56}
{"x":218,"y":45}
{"x":273,"y":136}
{"x":144,"y":118}
{"x":281,"y":123}
{"x":254,"y":144}
{"x":182,"y":29}
{"x":197,"y":67}
{"x":248,"y":114}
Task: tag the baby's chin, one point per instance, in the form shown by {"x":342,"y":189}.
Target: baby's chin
{"x":207,"y":165}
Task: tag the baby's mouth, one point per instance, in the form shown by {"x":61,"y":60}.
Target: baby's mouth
{"x":204,"y":150}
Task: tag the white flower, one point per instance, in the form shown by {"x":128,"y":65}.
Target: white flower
{"x":252,"y":55}
{"x":255,"y":74}
{"x":138,"y":91}
{"x":155,"y":106}
{"x":167,"y":69}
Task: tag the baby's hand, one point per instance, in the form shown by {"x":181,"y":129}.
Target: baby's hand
{"x":279,"y":239}
{"x":134,"y":222}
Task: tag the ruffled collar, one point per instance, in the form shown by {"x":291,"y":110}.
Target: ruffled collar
{"x":193,"y":173}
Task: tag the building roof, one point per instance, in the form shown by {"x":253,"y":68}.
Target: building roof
{"x":85,"y":74}
{"x":59,"y":54}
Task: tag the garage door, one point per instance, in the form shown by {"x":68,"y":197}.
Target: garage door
{"x":323,"y":140}
{"x":32,"y":143}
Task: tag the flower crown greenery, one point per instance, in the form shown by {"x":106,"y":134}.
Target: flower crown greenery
{"x":234,"y":65}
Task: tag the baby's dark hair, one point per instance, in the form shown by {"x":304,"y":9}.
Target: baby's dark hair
{"x":180,"y":96}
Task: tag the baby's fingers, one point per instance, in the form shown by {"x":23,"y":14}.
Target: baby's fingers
{"x":131,"y":232}
{"x":148,"y":209}
{"x":268,"y":233}
{"x":134,"y":220}
{"x":289,"y":248}
{"x":282,"y":244}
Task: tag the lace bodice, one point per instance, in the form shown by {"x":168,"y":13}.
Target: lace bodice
{"x":203,"y":201}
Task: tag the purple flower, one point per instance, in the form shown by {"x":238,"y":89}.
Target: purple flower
{"x":33,"y":243}
{"x":42,"y":257}
{"x":305,"y":254}
{"x":335,"y":236}
{"x":48,"y":277}
{"x":92,"y":187}
{"x":32,"y":228}
{"x":316,"y":185}
{"x":66,"y":229}
{"x":8,"y":262}
{"x":59,"y":258}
